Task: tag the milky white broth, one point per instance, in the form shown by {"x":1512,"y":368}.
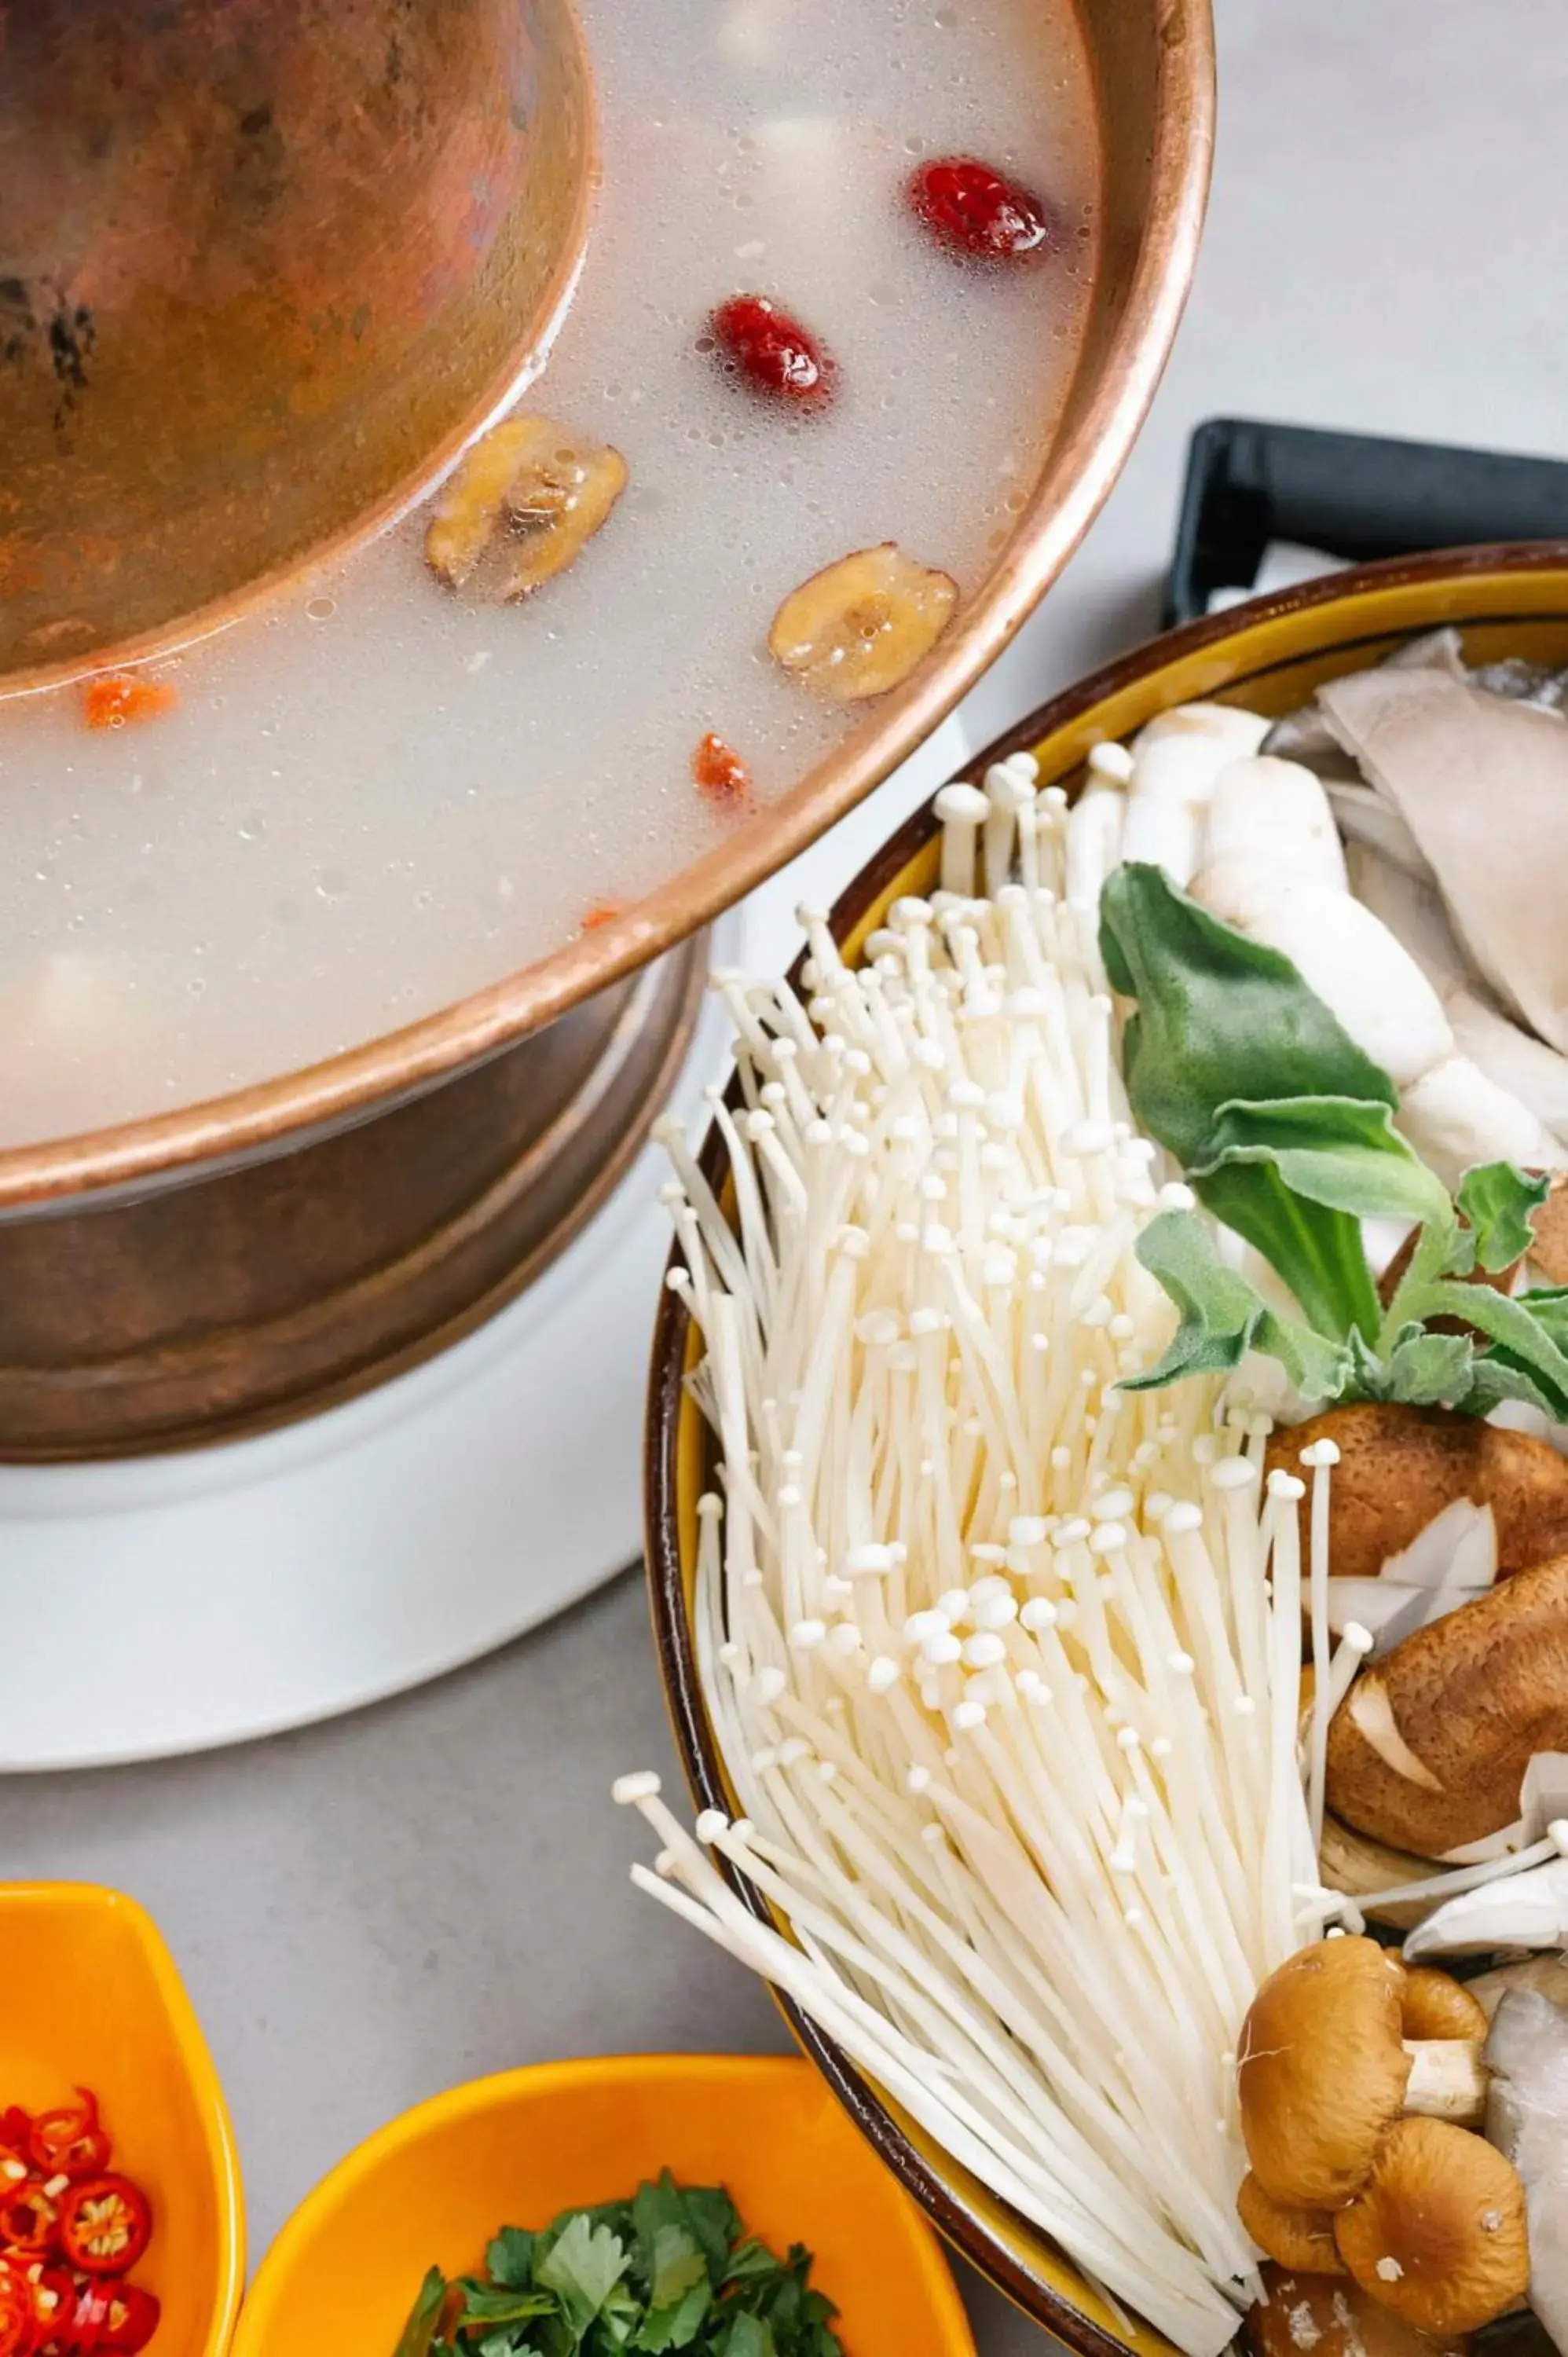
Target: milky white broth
{"x":375,"y":797}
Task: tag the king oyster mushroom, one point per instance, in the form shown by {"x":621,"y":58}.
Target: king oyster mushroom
{"x":1429,"y":1749}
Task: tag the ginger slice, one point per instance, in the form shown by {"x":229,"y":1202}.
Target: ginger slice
{"x":861,"y":625}
{"x":523,"y":504}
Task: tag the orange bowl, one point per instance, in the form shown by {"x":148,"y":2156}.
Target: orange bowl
{"x":91,"y":1997}
{"x":435,"y":2184}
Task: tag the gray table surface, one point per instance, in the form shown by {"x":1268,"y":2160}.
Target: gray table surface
{"x":368,"y":1911}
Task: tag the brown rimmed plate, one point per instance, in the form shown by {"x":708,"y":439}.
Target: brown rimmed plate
{"x":1269,"y":655}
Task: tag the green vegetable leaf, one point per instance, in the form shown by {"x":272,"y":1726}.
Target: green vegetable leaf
{"x":1316,"y":1251}
{"x":1340,"y":1152}
{"x":748,"y":2336}
{"x":1220,"y":1017}
{"x":1497,"y":1199}
{"x":486,"y":2303}
{"x":1422,"y":1370}
{"x":418,"y":2338}
{"x":510,"y":2258}
{"x":678,"y":2264}
{"x":1222,"y":1022}
{"x":670,"y":2271}
{"x":707,"y":2211}
{"x":1522,"y":1340}
{"x":1494,"y":1378}
{"x":677,"y":2324}
{"x":1223,"y":1317}
{"x":752,"y":2262}
{"x":585,"y":2264}
{"x":1548,"y":1305}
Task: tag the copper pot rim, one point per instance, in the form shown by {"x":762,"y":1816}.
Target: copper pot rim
{"x":942,"y":2195}
{"x":274,"y":1116}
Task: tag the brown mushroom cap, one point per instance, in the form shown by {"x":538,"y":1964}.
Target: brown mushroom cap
{"x":1321,"y":2073}
{"x":1438,"y":2233}
{"x":1303,"y":2315}
{"x":1295,"y":2237}
{"x":1549,"y":1225}
{"x":1399,"y":1466}
{"x":1435,"y":2005}
{"x":1471,"y":1698}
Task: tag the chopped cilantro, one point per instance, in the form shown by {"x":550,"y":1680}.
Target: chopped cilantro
{"x":671,"y":2270}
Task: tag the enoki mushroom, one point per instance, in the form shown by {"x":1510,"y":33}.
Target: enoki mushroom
{"x":1004,"y":1660}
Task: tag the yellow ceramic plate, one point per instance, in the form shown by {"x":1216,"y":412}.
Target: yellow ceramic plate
{"x":433,"y":2186}
{"x":1269,"y":655}
{"x":90,"y":1996}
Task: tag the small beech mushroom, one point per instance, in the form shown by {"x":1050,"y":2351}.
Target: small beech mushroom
{"x":1308,"y":2315}
{"x":1435,"y":2005}
{"x":1295,"y":2238}
{"x":1324,"y":2071}
{"x":1400,"y":1467}
{"x":1429,"y":1747}
{"x":1438,"y":2232}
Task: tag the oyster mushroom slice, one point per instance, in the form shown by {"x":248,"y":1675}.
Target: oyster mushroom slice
{"x":522,"y":505}
{"x":860,"y":625}
{"x":1458,"y":1548}
{"x":1423,"y":738}
{"x":1438,"y":2232}
{"x":1389,"y":1609}
{"x":1429,"y":1751}
{"x":1527,"y":2119}
{"x":1547,"y":1972}
{"x":1521,"y":1911}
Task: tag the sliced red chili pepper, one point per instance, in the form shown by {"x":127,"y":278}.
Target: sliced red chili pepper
{"x":89,"y":2317}
{"x":105,"y":2224}
{"x":15,"y":2126}
{"x":69,"y":2141}
{"x":18,"y":2336}
{"x":30,"y":2218}
{"x":131,"y":2318}
{"x":53,"y":2294}
{"x":16,"y":2168}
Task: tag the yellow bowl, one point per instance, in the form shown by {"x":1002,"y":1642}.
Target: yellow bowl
{"x":433,"y":2186}
{"x":90,"y":1996}
{"x":1270,"y":654}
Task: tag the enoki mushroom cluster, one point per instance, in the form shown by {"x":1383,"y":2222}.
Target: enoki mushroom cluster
{"x":1004,"y":1660}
